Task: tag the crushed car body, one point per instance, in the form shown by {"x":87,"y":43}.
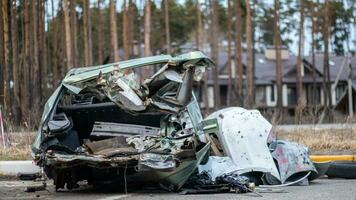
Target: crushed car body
{"x":248,"y":149}
{"x":105,"y":123}
{"x":243,"y":136}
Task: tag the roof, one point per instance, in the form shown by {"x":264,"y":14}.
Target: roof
{"x":265,"y":68}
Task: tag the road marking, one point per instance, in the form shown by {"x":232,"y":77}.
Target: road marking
{"x":116,"y":197}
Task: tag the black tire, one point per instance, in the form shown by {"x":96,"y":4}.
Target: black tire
{"x":342,"y":169}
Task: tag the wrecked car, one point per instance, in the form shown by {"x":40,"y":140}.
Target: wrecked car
{"x":248,"y":148}
{"x":106,"y":124}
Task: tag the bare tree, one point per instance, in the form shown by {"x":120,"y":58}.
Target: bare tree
{"x":113,"y":34}
{"x":35,"y":71}
{"x":125,"y":31}
{"x":88,"y":57}
{"x":42,"y":47}
{"x":100,"y":34}
{"x":250,"y":70}
{"x":15,"y":63}
{"x":7,"y":53}
{"x":147,"y":28}
{"x":300,"y":64}
{"x":277,"y":44}
{"x":68,"y":45}
{"x":199,"y":27}
{"x":215,"y":50}
{"x":166,"y":20}
{"x":25,"y":91}
{"x":326,"y":69}
{"x":229,"y":65}
{"x":238,"y":44}
{"x":2,"y":65}
{"x":313,"y":30}
{"x":73,"y":34}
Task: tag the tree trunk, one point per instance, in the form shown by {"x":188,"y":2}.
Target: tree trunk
{"x":300,"y":66}
{"x":215,"y":50}
{"x":313,"y":56}
{"x":199,"y":27}
{"x":100,"y":34}
{"x":229,"y":65}
{"x":199,"y":44}
{"x":147,"y":28}
{"x":326,"y":76}
{"x":15,"y":63}
{"x":35,"y":74}
{"x":166,"y":20}
{"x":88,"y":57}
{"x":25,"y":90}
{"x":73,"y":33}
{"x":125,"y":31}
{"x":277,"y":43}
{"x":130,"y":26}
{"x":250,"y":71}
{"x":7,"y":53}
{"x":2,"y":65}
{"x":114,"y":55}
{"x":238,"y":62}
{"x":68,"y":40}
{"x":54,"y":65}
{"x":43,"y":48}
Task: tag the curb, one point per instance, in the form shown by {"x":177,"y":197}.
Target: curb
{"x":15,"y":167}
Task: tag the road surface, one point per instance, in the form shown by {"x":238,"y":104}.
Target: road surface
{"x":319,"y":189}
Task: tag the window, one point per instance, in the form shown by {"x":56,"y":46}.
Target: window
{"x":272,"y":93}
{"x":292,"y":95}
{"x":339,"y":91}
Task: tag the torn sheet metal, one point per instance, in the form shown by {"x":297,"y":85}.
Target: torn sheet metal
{"x":292,"y":159}
{"x":217,"y":166}
{"x":243,"y":135}
{"x":160,"y":162}
{"x":124,"y":124}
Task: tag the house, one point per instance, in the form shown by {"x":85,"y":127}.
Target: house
{"x":265,"y":80}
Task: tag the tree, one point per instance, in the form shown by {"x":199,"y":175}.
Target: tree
{"x":199,"y":27}
{"x":166,"y":25}
{"x":15,"y":63}
{"x":147,"y":28}
{"x":277,"y":44}
{"x":300,"y":64}
{"x":250,"y":70}
{"x":114,"y":54}
{"x":35,"y":70}
{"x":125,"y":31}
{"x":7,"y":53}
{"x":215,"y":50}
{"x":68,"y":40}
{"x":313,"y":30}
{"x":238,"y":43}
{"x":25,"y":91}
{"x":100,"y":34}
{"x":2,"y":66}
{"x":73,"y":34}
{"x":88,"y":57}
{"x":42,"y":39}
{"x":326,"y":68}
{"x":229,"y":30}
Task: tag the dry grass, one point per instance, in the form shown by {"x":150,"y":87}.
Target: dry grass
{"x":326,"y":140}
{"x":318,"y":141}
{"x":20,"y":148}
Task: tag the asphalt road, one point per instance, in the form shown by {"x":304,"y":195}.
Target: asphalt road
{"x":319,"y":189}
